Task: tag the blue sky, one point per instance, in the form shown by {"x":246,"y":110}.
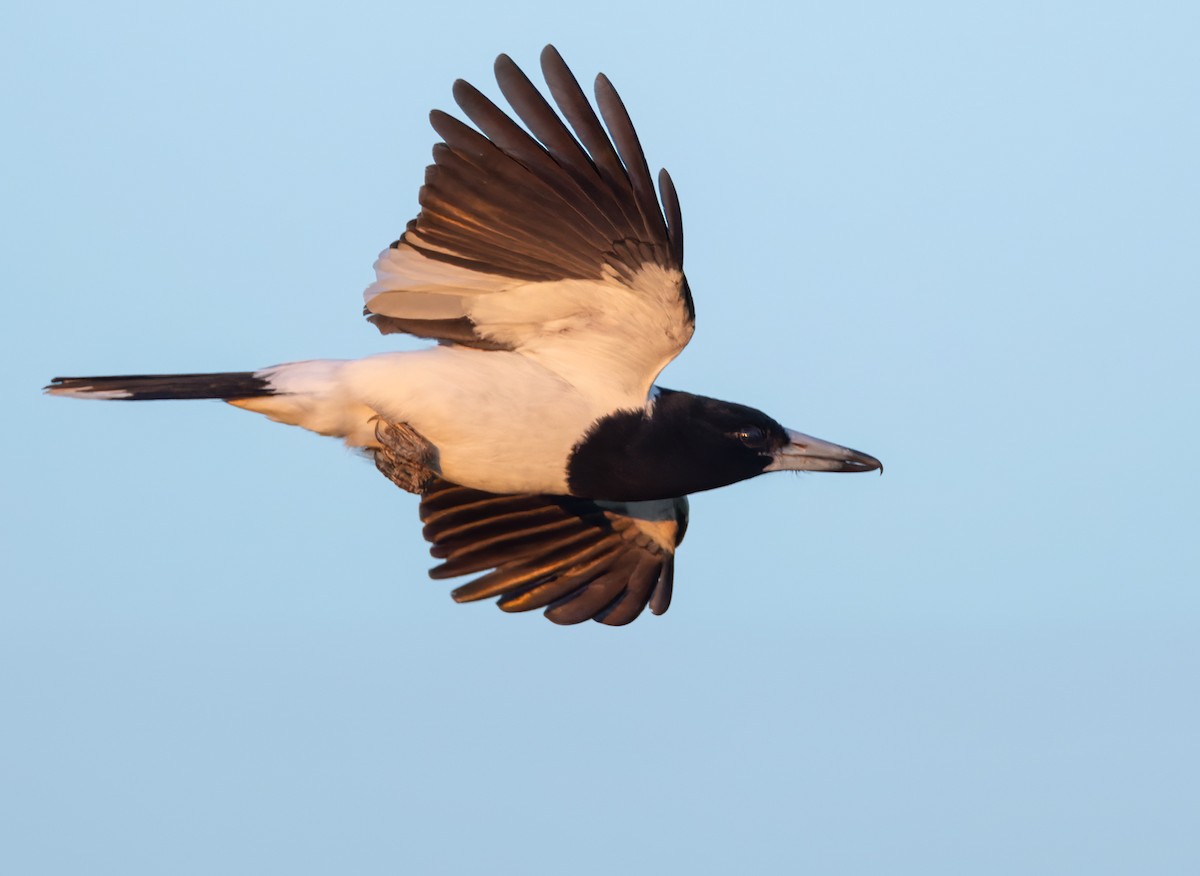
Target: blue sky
{"x":961,"y":237}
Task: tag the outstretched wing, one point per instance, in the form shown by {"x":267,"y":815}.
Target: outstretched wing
{"x":576,"y":558}
{"x":550,"y":241}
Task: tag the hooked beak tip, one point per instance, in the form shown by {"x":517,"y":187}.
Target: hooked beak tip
{"x":805,"y":453}
{"x":856,"y":461}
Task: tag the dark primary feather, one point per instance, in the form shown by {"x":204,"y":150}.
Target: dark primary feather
{"x":629,"y":148}
{"x":573,"y":103}
{"x":581,"y":207}
{"x":523,"y":236}
{"x":670,"y":199}
{"x":572,"y":557}
{"x":559,"y":150}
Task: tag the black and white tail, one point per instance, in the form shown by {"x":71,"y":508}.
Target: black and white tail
{"x":151,"y":387}
{"x":307,"y":394}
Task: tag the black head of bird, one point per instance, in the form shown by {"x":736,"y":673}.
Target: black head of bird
{"x":683,"y":443}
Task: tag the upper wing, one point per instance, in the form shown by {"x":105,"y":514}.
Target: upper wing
{"x":533,"y":244}
{"x":576,"y":558}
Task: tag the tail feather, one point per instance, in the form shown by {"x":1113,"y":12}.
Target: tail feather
{"x":148,"y":387}
{"x":307,"y":394}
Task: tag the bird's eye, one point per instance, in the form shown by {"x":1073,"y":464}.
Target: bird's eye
{"x":752,"y":436}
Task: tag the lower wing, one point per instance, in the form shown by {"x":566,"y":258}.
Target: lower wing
{"x":578,"y":559}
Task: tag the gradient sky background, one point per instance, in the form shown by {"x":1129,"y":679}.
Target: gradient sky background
{"x":962,"y":237}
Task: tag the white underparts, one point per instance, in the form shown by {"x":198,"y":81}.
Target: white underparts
{"x":500,"y":421}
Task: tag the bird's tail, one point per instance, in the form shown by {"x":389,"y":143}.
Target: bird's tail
{"x":306,"y":394}
{"x":228,"y":386}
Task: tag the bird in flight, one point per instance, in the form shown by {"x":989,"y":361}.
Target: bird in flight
{"x":551,"y":276}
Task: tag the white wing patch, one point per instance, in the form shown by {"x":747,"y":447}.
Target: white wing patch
{"x":414,"y":286}
{"x":603,"y":336}
{"x":609,"y":337}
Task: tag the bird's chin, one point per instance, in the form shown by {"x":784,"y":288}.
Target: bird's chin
{"x":806,"y":453}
